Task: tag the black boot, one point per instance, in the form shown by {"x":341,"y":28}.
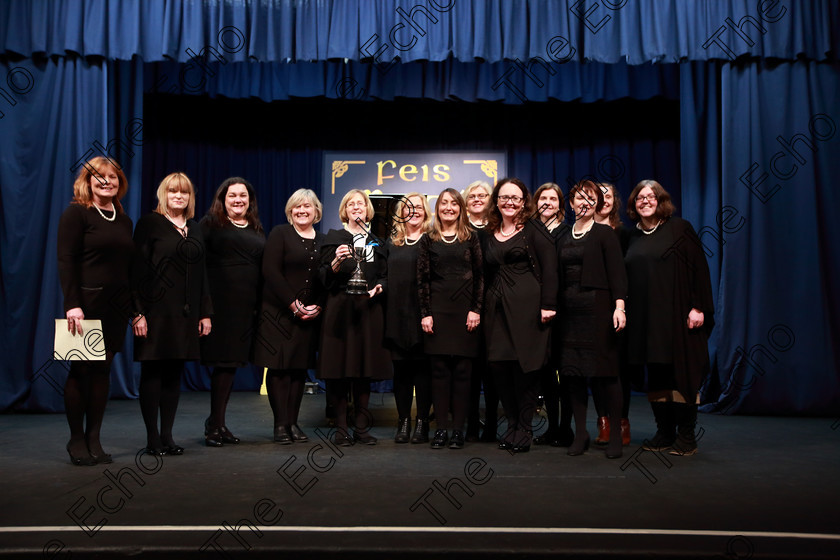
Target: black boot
{"x":403,"y":431}
{"x":421,"y":431}
{"x":665,"y":436}
{"x":686,"y":419}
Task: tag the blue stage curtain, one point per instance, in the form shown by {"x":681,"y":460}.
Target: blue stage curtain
{"x":61,"y":107}
{"x":637,"y":31}
{"x":771,"y":245}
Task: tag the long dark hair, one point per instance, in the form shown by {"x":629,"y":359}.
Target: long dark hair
{"x":218,"y":214}
{"x":494,"y":217}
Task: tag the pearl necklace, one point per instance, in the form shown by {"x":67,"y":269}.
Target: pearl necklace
{"x":106,"y":218}
{"x":446,"y":241}
{"x":475,"y":225}
{"x":410,"y":242}
{"x":648,"y":231}
{"x":240,"y":226}
{"x":300,"y":233}
{"x":581,"y":234}
{"x":502,"y":231}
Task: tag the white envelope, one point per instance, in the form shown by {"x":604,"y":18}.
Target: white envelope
{"x":89,"y":346}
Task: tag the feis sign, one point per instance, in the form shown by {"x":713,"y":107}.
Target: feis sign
{"x":397,"y":173}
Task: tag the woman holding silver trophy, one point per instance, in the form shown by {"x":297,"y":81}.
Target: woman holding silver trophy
{"x":353,"y":272}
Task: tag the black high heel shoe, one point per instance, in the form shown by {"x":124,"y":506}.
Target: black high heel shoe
{"x":213,"y":438}
{"x":576,"y":450}
{"x":227,"y":436}
{"x":104,"y":458}
{"x":83,"y":461}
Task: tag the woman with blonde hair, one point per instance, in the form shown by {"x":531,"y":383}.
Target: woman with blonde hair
{"x":172,"y":296}
{"x":477,"y":196}
{"x":450,"y":280}
{"x":287,"y":335}
{"x":412,"y":220}
{"x":352,"y":352}
{"x":94,"y":260}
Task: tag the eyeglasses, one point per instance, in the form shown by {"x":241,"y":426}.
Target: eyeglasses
{"x":647,"y":197}
{"x":480,"y":196}
{"x":357,"y":204}
{"x":510,"y":198}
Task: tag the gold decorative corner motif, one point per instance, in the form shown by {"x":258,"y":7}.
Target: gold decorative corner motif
{"x":490,"y":167}
{"x":339,"y":168}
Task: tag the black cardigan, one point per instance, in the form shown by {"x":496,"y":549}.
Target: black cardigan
{"x":603,"y":264}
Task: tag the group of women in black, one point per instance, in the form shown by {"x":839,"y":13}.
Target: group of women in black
{"x":494,"y":291}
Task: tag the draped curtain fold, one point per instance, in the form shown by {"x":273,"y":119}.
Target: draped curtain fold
{"x":610,"y":31}
{"x":761,"y":184}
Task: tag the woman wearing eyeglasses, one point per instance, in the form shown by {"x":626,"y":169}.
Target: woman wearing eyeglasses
{"x":477,"y":195}
{"x":593,"y":295}
{"x":520,"y":301}
{"x":352,"y":352}
{"x":670,"y":314}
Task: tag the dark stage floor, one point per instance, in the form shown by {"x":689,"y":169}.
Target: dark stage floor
{"x":759,"y":488}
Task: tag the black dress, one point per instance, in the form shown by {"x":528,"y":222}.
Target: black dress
{"x":234,"y":257}
{"x":521,"y":279}
{"x":94,"y":260}
{"x":668,"y":276}
{"x":450,"y":280}
{"x":403,"y":333}
{"x":290,"y":272}
{"x":170,"y":287}
{"x":353,"y":330}
{"x":593,"y":278}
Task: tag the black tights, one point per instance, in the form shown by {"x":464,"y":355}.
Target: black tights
{"x":85,"y":396}
{"x":481,"y":377}
{"x":337,"y":390}
{"x":221,"y":385}
{"x":558,"y":400}
{"x":610,"y":389}
{"x":451,"y":385}
{"x":160,"y":389}
{"x":411,"y":378}
{"x":518,"y":391}
{"x":285,"y":393}
{"x":600,"y":400}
